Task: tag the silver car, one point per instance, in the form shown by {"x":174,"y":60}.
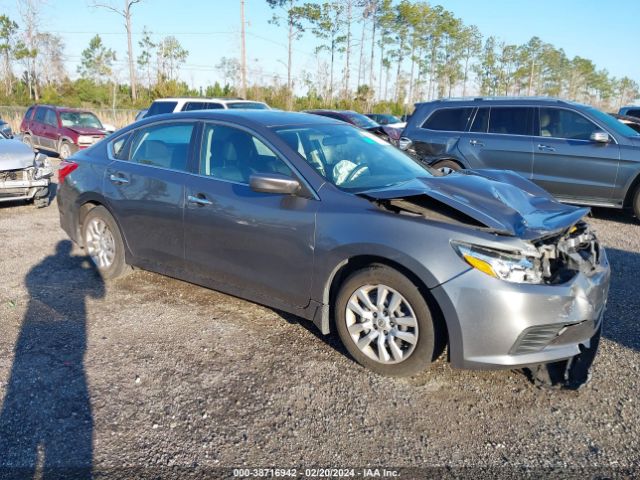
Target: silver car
{"x":315,"y":217}
{"x":24,"y":174}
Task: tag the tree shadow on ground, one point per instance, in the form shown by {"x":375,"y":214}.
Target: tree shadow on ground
{"x":46,"y":425}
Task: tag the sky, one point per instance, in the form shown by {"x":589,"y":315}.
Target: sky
{"x":209,"y":30}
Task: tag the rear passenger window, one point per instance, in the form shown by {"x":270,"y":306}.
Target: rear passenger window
{"x":234,"y":155}
{"x":510,"y":120}
{"x":40,"y":115}
{"x":481,"y":121}
{"x":28,"y":113}
{"x":51,"y":118}
{"x":118,"y":147}
{"x":449,"y":119}
{"x":165,"y":145}
{"x":158,"y":108}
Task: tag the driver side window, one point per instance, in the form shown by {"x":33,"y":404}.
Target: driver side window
{"x":561,"y":123}
{"x":234,"y":155}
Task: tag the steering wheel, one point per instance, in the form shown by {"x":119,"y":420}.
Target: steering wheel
{"x":355,"y":172}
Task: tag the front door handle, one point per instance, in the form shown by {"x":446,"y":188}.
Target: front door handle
{"x":546,"y":148}
{"x":476,"y":143}
{"x":199,"y":200}
{"x":118,"y":179}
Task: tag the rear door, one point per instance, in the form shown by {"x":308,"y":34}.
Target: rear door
{"x":37,"y":127}
{"x":440,"y":132}
{"x":567,"y":163}
{"x":144,"y":186}
{"x":50,"y":130}
{"x":500,"y":138}
{"x":235,"y":238}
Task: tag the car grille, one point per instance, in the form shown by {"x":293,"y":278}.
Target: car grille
{"x":21,"y":175}
{"x":534,"y":339}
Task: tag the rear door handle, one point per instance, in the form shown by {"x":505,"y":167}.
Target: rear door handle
{"x":118,"y":179}
{"x":476,"y":143}
{"x":199,"y":200}
{"x":546,"y":148}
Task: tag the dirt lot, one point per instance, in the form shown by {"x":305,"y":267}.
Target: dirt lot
{"x":152,"y":376}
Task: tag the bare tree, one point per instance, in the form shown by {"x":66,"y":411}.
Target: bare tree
{"x":243,"y":54}
{"x":126,"y":14}
{"x":27,"y":48}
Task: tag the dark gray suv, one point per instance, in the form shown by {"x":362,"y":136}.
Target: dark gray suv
{"x":576,"y":152}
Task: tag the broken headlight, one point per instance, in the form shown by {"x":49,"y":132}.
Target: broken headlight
{"x":509,"y":266}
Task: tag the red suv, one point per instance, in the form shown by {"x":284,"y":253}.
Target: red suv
{"x":60,"y":129}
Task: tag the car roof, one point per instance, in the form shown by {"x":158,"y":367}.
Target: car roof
{"x":523,"y":100}
{"x":62,"y":109}
{"x":249,"y":118}
{"x":206,"y":99}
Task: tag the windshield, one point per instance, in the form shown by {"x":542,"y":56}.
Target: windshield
{"x":612,"y":123}
{"x":386,"y":119}
{"x":360,"y":120}
{"x":80,"y":119}
{"x":248,"y":105}
{"x":350,"y":158}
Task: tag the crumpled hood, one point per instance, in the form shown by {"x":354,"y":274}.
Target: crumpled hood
{"x":502,"y":200}
{"x":87,"y":130}
{"x":15,"y":155}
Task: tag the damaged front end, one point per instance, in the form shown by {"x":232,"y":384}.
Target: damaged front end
{"x":28,"y":182}
{"x":526,"y":239}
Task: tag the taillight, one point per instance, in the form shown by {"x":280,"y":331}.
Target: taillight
{"x":66,"y":167}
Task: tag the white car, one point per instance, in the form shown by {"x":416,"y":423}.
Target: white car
{"x":171,"y":105}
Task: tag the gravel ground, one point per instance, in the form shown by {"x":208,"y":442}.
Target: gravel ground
{"x":152,"y":376}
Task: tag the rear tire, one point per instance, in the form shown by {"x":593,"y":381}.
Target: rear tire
{"x":103,"y":243}
{"x":447,"y":166}
{"x":27,"y":140}
{"x":66,"y":150}
{"x":394,"y":337}
{"x":636,"y":202}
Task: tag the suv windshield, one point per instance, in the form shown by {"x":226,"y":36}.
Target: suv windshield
{"x":360,"y":120}
{"x":80,"y":119}
{"x":350,"y":158}
{"x":612,"y":123}
{"x":247,"y":105}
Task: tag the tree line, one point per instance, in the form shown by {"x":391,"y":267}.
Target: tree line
{"x":380,"y":55}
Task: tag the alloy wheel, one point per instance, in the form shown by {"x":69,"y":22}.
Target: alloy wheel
{"x":100,"y":244}
{"x":382,"y":323}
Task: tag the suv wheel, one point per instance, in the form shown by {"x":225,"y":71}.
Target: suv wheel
{"x":103,"y":243}
{"x":384,"y":322}
{"x":66,"y":150}
{"x":27,"y":140}
{"x":447,"y":166}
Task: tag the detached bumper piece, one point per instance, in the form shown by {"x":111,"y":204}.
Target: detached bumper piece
{"x":573,"y":373}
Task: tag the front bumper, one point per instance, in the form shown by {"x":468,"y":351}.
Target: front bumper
{"x":11,"y":190}
{"x":496,"y":324}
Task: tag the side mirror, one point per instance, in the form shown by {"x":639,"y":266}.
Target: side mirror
{"x":600,"y":137}
{"x":404,"y":143}
{"x":274,"y":183}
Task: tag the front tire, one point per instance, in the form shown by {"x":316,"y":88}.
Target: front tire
{"x":103,"y":243}
{"x":447,"y":166}
{"x":384,"y":322}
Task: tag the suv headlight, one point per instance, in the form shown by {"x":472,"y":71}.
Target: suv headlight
{"x":85,"y":139}
{"x":509,"y":266}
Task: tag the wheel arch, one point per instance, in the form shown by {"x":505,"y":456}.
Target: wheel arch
{"x":448,"y":157}
{"x":631,"y":190}
{"x":87,"y":203}
{"x":352,"y":264}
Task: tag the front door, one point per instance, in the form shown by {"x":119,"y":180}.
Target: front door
{"x":238,"y":240}
{"x":567,"y":163}
{"x":500,"y":138}
{"x":145,"y":187}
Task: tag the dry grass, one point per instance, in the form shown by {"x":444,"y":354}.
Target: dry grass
{"x":117,"y":118}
